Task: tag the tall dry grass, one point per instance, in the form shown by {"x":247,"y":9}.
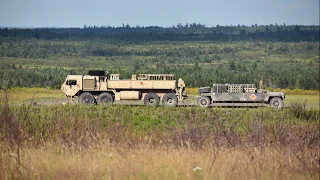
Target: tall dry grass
{"x":124,"y":142}
{"x":110,"y":161}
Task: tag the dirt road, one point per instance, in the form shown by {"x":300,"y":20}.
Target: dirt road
{"x":187,"y":103}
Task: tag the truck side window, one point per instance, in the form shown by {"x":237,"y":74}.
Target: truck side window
{"x":72,"y":82}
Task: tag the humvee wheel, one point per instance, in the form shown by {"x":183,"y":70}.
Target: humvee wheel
{"x":151,"y":99}
{"x":203,"y":101}
{"x":170,"y":100}
{"x":105,"y":98}
{"x":86,"y":98}
{"x":276,"y":102}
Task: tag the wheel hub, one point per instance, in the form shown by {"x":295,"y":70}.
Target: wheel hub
{"x":151,"y":100}
{"x":203,"y":102}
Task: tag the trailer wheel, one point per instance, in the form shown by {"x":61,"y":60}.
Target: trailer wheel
{"x":86,"y":98}
{"x":105,"y":98}
{"x":203,"y":101}
{"x":170,"y":100}
{"x":151,"y":99}
{"x":276,"y":103}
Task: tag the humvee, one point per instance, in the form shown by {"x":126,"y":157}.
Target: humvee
{"x":238,"y":93}
{"x":104,"y":88}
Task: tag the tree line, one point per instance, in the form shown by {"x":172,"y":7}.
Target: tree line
{"x":189,"y":32}
{"x":280,"y":75}
{"x":284,"y":56}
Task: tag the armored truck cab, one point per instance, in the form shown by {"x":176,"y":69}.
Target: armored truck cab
{"x":238,"y":93}
{"x":101,"y":87}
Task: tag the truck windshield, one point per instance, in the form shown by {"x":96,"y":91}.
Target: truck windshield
{"x":71,"y":82}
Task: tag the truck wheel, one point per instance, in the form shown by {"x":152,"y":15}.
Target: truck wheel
{"x":151,"y":99}
{"x":86,"y":98}
{"x":276,"y":102}
{"x":204,"y":90}
{"x":105,"y":98}
{"x":203,"y":101}
{"x":170,"y":100}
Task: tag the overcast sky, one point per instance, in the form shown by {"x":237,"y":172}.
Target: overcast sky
{"x":77,"y":13}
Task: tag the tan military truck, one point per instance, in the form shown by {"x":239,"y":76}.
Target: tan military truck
{"x":100,"y":87}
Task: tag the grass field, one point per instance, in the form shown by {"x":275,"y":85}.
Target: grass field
{"x":312,"y":101}
{"x":138,"y":142}
{"x":28,"y":95}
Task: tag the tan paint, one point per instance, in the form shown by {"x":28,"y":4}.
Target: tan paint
{"x":141,"y":84}
{"x":129,"y":95}
{"x":131,"y":89}
{"x":72,"y":90}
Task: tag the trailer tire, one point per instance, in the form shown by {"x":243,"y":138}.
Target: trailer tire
{"x":204,"y":90}
{"x":151,"y":99}
{"x":86,"y":98}
{"x":105,"y":98}
{"x":170,"y":100}
{"x":276,"y":102}
{"x":203,"y":101}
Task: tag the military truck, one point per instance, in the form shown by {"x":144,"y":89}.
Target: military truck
{"x":238,"y":93}
{"x":101,"y":87}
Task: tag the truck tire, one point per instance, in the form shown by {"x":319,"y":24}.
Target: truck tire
{"x":86,"y":98}
{"x":151,"y":99}
{"x":276,"y":102}
{"x":170,"y":100}
{"x":105,"y":98}
{"x":204,"y":90}
{"x":203,"y":101}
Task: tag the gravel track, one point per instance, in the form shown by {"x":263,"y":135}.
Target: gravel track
{"x":191,"y":102}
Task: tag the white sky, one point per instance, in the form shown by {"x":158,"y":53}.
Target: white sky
{"x":76,"y":13}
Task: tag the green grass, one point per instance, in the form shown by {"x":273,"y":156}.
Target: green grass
{"x":28,"y":95}
{"x":312,"y":101}
{"x":137,"y":121}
